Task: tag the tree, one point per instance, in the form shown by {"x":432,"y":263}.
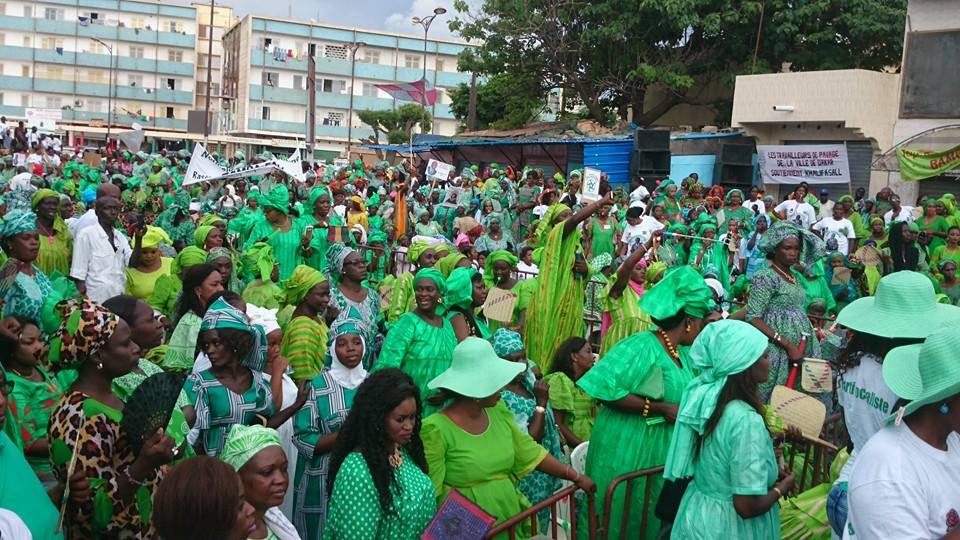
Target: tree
{"x":395,"y":124}
{"x":609,"y":53}
{"x":504,"y":101}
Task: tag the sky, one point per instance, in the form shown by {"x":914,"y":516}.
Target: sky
{"x":389,"y":15}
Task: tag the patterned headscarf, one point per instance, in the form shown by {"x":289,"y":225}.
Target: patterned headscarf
{"x":300,"y":282}
{"x":337,"y":255}
{"x":16,"y":222}
{"x":507,"y":342}
{"x":259,"y":261}
{"x":417,"y":249}
{"x":812,"y":247}
{"x":221,"y":315}
{"x":244,"y":442}
{"x":219,"y":253}
{"x":84,"y":330}
{"x":598,"y":263}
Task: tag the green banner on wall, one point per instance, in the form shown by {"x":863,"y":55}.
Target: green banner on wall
{"x":922,"y":164}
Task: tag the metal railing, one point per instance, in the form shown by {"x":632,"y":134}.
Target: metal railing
{"x":510,"y":526}
{"x":630,"y":479}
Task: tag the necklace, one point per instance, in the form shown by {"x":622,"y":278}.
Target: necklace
{"x":24,"y":375}
{"x":787,"y":277}
{"x":396,"y":458}
{"x":671,"y":350}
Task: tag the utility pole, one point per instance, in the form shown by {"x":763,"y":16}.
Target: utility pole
{"x":472,"y":106}
{"x":352,"y":47}
{"x":109,"y":91}
{"x":206,"y":109}
{"x":311,"y":101}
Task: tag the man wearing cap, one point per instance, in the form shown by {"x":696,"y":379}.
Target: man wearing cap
{"x":826,"y":205}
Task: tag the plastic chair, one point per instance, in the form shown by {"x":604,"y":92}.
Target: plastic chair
{"x":578,"y":460}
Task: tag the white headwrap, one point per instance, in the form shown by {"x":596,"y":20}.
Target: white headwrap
{"x":346,"y":377}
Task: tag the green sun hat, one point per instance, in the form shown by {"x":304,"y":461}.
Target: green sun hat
{"x":925,"y":373}
{"x":476,"y":371}
{"x":904,"y":306}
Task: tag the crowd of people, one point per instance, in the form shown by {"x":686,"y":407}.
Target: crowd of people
{"x":341,"y":373}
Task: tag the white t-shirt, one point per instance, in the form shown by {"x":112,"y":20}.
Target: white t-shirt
{"x":906,"y":214}
{"x":826,"y":209}
{"x":867,"y":401}
{"x":757,"y":206}
{"x":641,"y":231}
{"x":639,"y":194}
{"x":903,"y":488}
{"x":840,"y":230}
{"x":800,"y":214}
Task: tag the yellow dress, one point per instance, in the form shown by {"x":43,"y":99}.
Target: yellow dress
{"x":141,"y":284}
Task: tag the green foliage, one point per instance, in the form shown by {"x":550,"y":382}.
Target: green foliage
{"x":504,"y":101}
{"x":395,"y":125}
{"x":608,"y":53}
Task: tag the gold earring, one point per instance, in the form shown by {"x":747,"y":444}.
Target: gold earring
{"x":688,"y":327}
{"x":99,"y":365}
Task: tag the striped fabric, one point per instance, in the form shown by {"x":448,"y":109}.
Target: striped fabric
{"x":305,"y":346}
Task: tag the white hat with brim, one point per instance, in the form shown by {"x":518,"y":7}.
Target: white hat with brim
{"x":476,"y":371}
{"x":925,"y":373}
{"x":905,"y":306}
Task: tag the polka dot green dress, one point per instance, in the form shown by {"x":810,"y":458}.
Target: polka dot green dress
{"x":355,"y":513}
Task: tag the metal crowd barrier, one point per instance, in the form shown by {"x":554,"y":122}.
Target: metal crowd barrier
{"x":629,"y":479}
{"x":510,"y":526}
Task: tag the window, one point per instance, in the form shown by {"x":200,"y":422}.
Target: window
{"x":173,"y":26}
{"x":331,"y":86}
{"x":265,"y":113}
{"x":267,"y":42}
{"x":53,"y":14}
{"x":171,"y":84}
{"x":28,"y":12}
{"x":27,"y":42}
{"x":334,"y":119}
{"x":370,"y":90}
{"x":50,"y":44}
{"x":439,"y":66}
{"x":371,"y":57}
{"x":270,"y":78}
{"x":3,"y":37}
{"x":338,"y":52}
{"x":24,"y":70}
{"x":93,"y":105}
{"x":411,"y":61}
{"x":175,"y":56}
{"x":53,"y":102}
{"x":203,"y":31}
{"x":136,"y":52}
{"x":24,"y":100}
{"x":169,"y":112}
{"x":93,"y":17}
{"x":138,"y":23}
{"x":202,"y":61}
{"x":96,"y":76}
{"x":135,"y":80}
{"x":298,"y":82}
{"x":440,"y":94}
{"x":95,"y":47}
{"x":3,"y":8}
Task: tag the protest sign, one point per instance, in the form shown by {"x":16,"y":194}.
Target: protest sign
{"x":202,"y":167}
{"x":922,"y":164}
{"x":814,"y":164}
{"x":439,"y":170}
{"x":452,"y":196}
{"x":499,"y":305}
{"x":590,"y":188}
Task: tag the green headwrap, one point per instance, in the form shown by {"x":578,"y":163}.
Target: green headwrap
{"x":244,"y":442}
{"x":723,"y":348}
{"x":154,"y":237}
{"x":682,"y":289}
{"x":417,"y":249}
{"x":459,"y":288}
{"x":259,"y":261}
{"x":812,"y":247}
{"x":278,"y":199}
{"x":188,"y":256}
{"x":40,"y":195}
{"x":447,"y":263}
{"x":506,"y":342}
{"x":16,"y":222}
{"x":210,"y":219}
{"x":498,"y":255}
{"x":300,"y":282}
{"x":434,"y":276}
{"x":201,"y":234}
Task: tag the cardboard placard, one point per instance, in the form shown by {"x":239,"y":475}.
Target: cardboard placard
{"x":590,"y":187}
{"x":499,"y":305}
{"x":841,"y":276}
{"x":799,"y":409}
{"x":92,"y":158}
{"x":439,"y":170}
{"x":816,"y":376}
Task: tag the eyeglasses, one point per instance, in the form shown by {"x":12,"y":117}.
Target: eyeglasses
{"x":6,"y":388}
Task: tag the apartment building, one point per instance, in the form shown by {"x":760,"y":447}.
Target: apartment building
{"x":265,"y":77}
{"x":210,"y":43}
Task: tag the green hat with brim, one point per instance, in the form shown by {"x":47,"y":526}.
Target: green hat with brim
{"x":904,"y":306}
{"x":476,"y":371}
{"x":925,"y":373}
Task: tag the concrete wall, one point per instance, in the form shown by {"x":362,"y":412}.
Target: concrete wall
{"x":924,"y":16}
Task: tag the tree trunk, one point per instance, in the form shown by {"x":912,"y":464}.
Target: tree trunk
{"x":645,"y":118}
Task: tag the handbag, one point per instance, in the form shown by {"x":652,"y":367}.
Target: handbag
{"x":668,"y":503}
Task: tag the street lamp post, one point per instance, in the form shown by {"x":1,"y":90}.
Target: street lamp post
{"x":425,"y":22}
{"x":352,"y":47}
{"x":109,"y":89}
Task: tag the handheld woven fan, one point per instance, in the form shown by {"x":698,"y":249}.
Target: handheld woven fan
{"x":150,"y":407}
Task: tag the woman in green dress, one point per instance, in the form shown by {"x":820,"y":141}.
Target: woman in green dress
{"x":352,"y":299}
{"x":222,"y":260}
{"x":400,"y":290}
{"x":381,"y":490}
{"x":142,"y":276}
{"x":262,"y":274}
{"x":620,"y":299}
{"x":305,"y":336}
{"x":602,"y":233}
{"x":318,"y":216}
{"x":574,"y":410}
{"x":56,"y":244}
{"x":316,"y":426}
{"x":949,"y":284}
{"x":934,"y":227}
{"x":495,"y":236}
{"x":24,"y":287}
{"x":734,"y":210}
{"x":528,"y":399}
{"x":166,"y":290}
{"x":200,"y":283}
{"x":474,"y":444}
{"x":722,"y":440}
{"x":233,"y":390}
{"x":34,"y":395}
{"x":950,"y":250}
{"x":639,"y":383}
{"x":280,"y":230}
{"x":466,"y":292}
{"x":422,"y":342}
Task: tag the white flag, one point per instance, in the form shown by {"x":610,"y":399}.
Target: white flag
{"x":202,"y":167}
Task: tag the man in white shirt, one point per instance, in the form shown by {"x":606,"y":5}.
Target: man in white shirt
{"x":33,"y":138}
{"x":898,"y":213}
{"x":826,"y":205}
{"x":6,"y":133}
{"x":796,"y":210}
{"x":839,"y":229}
{"x":89,"y":217}
{"x":755,"y":202}
{"x":101,"y":254}
{"x":639,"y":229}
